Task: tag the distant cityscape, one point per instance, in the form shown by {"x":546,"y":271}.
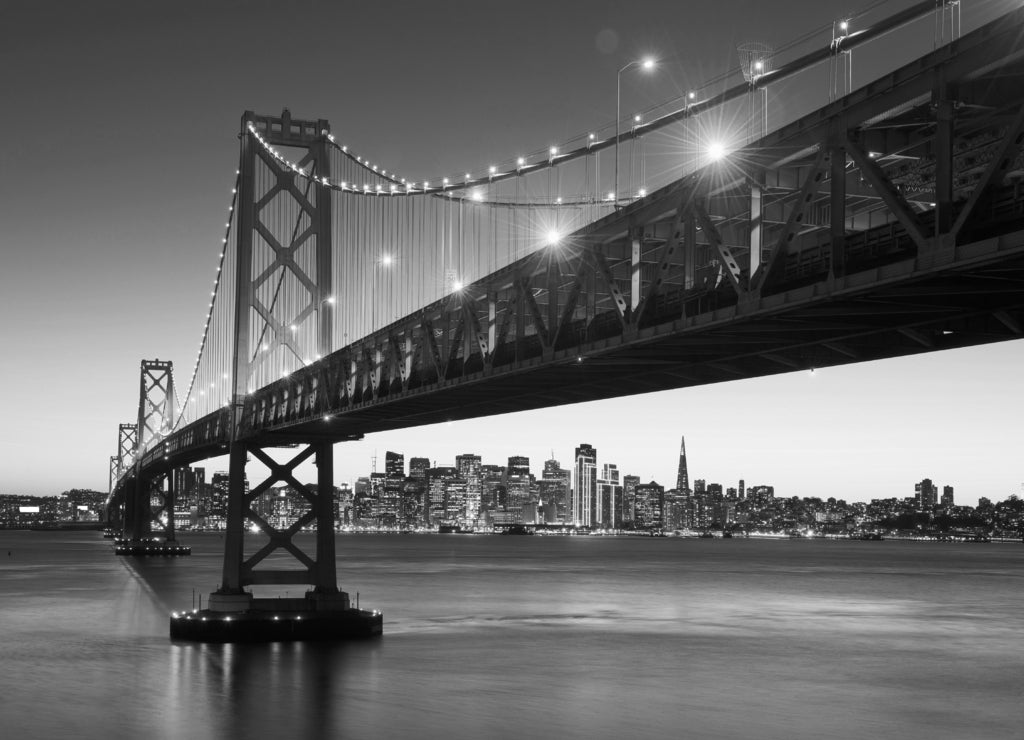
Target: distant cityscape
{"x":471,"y":496}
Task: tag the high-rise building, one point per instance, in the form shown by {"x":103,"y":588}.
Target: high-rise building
{"x":418,"y":467}
{"x":469,"y":468}
{"x":391,"y":497}
{"x":925,"y":495}
{"x":492,"y":488}
{"x":650,"y":504}
{"x":519,"y":465}
{"x":683,"y":476}
{"x":362,"y":503}
{"x":584,"y":486}
{"x":553,"y":491}
{"x":608,"y":511}
{"x":437,"y":483}
{"x":380,"y":516}
{"x":629,"y":484}
{"x":947,"y":495}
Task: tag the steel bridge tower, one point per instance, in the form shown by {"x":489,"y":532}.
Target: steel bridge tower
{"x":313,"y":206}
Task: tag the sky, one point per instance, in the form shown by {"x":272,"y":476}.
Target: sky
{"x":119,"y":146}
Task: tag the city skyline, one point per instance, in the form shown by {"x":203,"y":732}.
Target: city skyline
{"x":133,"y":142}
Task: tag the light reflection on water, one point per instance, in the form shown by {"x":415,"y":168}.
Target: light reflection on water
{"x":551,"y":637}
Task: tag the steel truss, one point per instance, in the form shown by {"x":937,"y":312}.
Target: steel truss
{"x":887,"y":223}
{"x":313,"y":226}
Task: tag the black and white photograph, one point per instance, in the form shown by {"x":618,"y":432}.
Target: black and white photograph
{"x":460,"y":370}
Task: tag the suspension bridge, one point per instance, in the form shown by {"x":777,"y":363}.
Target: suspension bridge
{"x":888,"y":220}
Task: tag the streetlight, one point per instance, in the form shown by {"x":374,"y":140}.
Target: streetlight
{"x":646,"y":64}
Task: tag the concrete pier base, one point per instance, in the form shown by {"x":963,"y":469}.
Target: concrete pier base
{"x":150,"y":548}
{"x":244,"y":618}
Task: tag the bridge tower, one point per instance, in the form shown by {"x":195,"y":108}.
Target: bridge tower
{"x":126,"y":434}
{"x":267,"y":248}
{"x":149,"y":502}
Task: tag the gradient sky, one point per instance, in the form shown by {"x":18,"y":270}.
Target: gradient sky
{"x":119,"y":146}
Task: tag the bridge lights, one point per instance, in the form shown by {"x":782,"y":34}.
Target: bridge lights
{"x":553,"y":238}
{"x":386,"y":259}
{"x":457,"y":286}
{"x":716,"y":150}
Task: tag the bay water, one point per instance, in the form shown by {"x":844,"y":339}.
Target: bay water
{"x":510,"y":637}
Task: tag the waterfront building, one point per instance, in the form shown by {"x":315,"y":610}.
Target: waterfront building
{"x":456,"y":495}
{"x":609,"y":498}
{"x":553,"y":491}
{"x":493,"y":492}
{"x":947,"y":495}
{"x":584,"y":486}
{"x":414,"y":494}
{"x":469,"y":467}
{"x":391,"y":496}
{"x":650,"y":503}
{"x":629,"y":484}
{"x":437,"y":482}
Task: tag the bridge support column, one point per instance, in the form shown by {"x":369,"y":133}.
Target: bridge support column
{"x":324,"y":611}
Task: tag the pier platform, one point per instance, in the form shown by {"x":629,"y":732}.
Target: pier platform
{"x":243,"y":618}
{"x":155,"y":548}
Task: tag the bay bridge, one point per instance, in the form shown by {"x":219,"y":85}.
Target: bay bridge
{"x":885,"y":220}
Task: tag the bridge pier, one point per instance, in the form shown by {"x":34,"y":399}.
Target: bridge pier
{"x":234,"y":613}
{"x":141,"y":518}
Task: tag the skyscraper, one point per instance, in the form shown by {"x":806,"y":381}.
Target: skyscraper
{"x":608,"y":507}
{"x":469,"y":471}
{"x":391,"y":499}
{"x":926,"y":494}
{"x":584,"y":486}
{"x":683,"y":478}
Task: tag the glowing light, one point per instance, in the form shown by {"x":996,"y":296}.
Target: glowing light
{"x":758,"y":65}
{"x":647,"y":63}
{"x":521,"y":161}
{"x":477,"y":196}
{"x":293,"y":327}
{"x":386,"y":259}
{"x":444,"y":181}
{"x":642,"y":192}
{"x":611,"y":196}
{"x":493,"y":169}
{"x":692,"y":95}
{"x":457,"y":285}
{"x":636,"y":118}
{"x":716,"y":150}
{"x":552,"y":238}
{"x":553,"y":151}
{"x":330,"y":299}
{"x":843,"y":25}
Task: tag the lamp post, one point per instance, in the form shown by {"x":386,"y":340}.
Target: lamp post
{"x":646,"y":64}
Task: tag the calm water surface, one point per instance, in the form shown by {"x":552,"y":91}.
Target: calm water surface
{"x":508,"y":637}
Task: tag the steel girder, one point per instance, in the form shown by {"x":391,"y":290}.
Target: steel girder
{"x":817,"y":245}
{"x":908,"y":175}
